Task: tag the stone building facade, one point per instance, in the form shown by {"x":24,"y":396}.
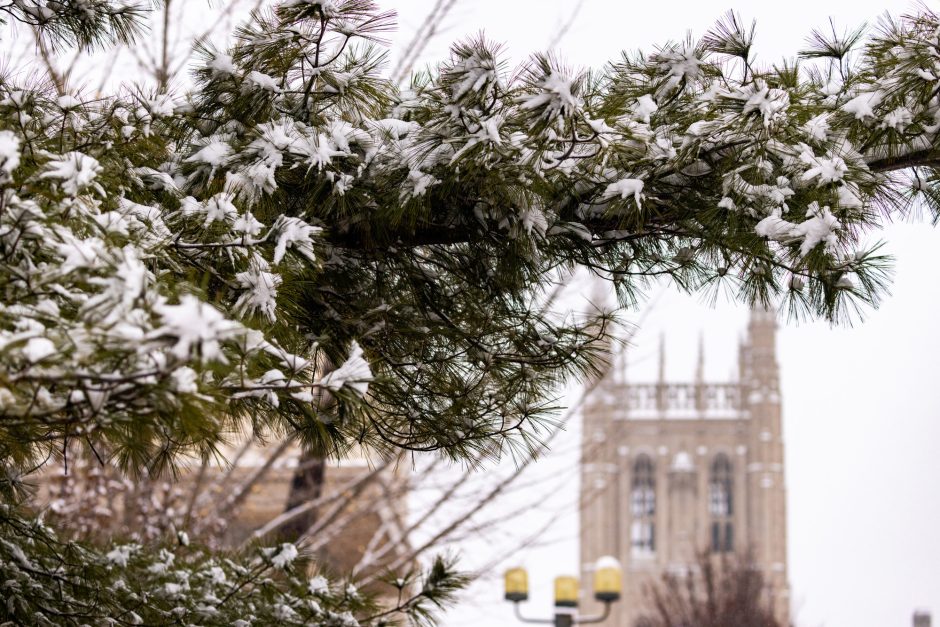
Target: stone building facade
{"x":672,"y":469}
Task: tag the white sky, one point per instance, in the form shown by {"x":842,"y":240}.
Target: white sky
{"x":861,"y":415}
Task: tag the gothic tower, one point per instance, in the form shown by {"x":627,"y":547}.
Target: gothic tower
{"x":672,"y":469}
{"x":760,"y":388}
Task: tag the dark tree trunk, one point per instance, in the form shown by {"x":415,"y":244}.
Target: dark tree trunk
{"x":306,"y":485}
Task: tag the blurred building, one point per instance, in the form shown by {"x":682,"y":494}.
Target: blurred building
{"x":353,"y":511}
{"x":673,"y":469}
{"x":921,"y":618}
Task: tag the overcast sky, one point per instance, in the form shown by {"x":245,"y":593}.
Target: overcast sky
{"x":861,"y":410}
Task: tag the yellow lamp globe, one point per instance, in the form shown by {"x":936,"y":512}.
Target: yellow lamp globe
{"x":516,"y":585}
{"x":608,"y":579}
{"x":566,"y":592}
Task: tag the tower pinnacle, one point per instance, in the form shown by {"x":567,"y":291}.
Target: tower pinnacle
{"x":700,"y":364}
{"x":662,"y":359}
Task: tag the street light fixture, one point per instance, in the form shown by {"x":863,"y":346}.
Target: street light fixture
{"x":608,"y":580}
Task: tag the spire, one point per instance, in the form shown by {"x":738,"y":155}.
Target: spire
{"x":662,"y":358}
{"x":700,"y":374}
{"x":661,"y":383}
{"x":700,"y":364}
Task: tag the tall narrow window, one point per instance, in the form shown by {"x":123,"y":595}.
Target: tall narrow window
{"x":643,"y":507}
{"x":721,"y":504}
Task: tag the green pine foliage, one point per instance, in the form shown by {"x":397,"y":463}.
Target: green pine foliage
{"x":295,"y":246}
{"x":50,"y":582}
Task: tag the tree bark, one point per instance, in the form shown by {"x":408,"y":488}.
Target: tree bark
{"x":306,"y":485}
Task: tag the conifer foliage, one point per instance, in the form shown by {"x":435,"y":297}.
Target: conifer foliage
{"x":297,"y":246}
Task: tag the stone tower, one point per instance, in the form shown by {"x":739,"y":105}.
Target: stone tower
{"x":672,"y":469}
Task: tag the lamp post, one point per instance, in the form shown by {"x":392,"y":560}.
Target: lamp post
{"x":608,"y":579}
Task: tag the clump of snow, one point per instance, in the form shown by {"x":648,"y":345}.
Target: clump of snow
{"x":681,"y":65}
{"x":319,"y":150}
{"x":420,"y":182}
{"x":396,"y":129}
{"x":247,"y":224}
{"x":285,"y":613}
{"x":848,"y":196}
{"x":160,"y":107}
{"x":68,"y":102}
{"x":820,"y":228}
{"x":863,"y":105}
{"x":220,"y":207}
{"x":898,"y":119}
{"x":354,"y":372}
{"x":214,"y":153}
{"x":727,"y":203}
{"x":774,"y":227}
{"x":296,"y":234}
{"x":120,"y":554}
{"x":184,"y":380}
{"x":645,"y":107}
{"x":38,"y":348}
{"x":624,"y":188}
{"x":599,"y":126}
{"x":533,"y":220}
{"x":217,"y":575}
{"x":285,"y":557}
{"x":79,"y":253}
{"x":607,"y":561}
{"x":166,"y":561}
{"x":76,"y":170}
{"x":826,"y":170}
{"x":769,"y":102}
{"x":262,"y":81}
{"x":222,"y":65}
{"x":818,"y":127}
{"x":477,"y":70}
{"x":318,"y":585}
{"x":556,"y":96}
{"x":172,"y":590}
{"x":197,"y":326}
{"x":260,"y":291}
{"x":9,"y":155}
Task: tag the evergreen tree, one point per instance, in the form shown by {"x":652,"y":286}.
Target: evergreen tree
{"x":180,"y":268}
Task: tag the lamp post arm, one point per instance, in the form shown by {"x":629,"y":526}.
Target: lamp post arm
{"x":543,"y":621}
{"x":596,"y":619}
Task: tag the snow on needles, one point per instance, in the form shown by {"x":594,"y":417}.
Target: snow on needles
{"x":863,"y":106}
{"x":624,"y":188}
{"x":821,"y":227}
{"x":354,"y":372}
{"x":9,"y":155}
{"x":285,"y":556}
{"x":556,"y":96}
{"x":76,"y":170}
{"x":197,"y":327}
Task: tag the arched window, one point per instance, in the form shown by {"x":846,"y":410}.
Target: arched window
{"x":721,"y":504}
{"x":643,"y":506}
